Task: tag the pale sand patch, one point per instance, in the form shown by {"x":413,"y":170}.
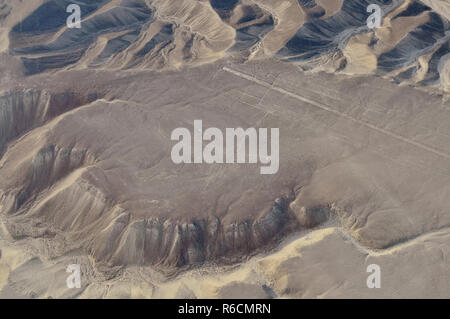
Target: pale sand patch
{"x":4,"y":39}
{"x":11,"y":259}
{"x":318,"y":264}
{"x":360,"y":58}
{"x":294,"y":248}
{"x":289,"y":17}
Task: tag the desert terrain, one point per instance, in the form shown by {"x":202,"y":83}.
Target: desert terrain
{"x":87,"y":178}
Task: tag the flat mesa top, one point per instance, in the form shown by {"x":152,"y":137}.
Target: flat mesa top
{"x":108,"y":162}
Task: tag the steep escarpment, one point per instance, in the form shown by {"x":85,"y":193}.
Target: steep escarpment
{"x":67,"y":193}
{"x":78,"y":214}
{"x":21,"y":111}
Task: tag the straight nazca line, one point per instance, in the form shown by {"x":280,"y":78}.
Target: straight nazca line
{"x":328,"y":109}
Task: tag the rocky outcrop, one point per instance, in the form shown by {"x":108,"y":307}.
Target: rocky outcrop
{"x":54,"y":197}
{"x":21,"y":111}
{"x":157,"y":241}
